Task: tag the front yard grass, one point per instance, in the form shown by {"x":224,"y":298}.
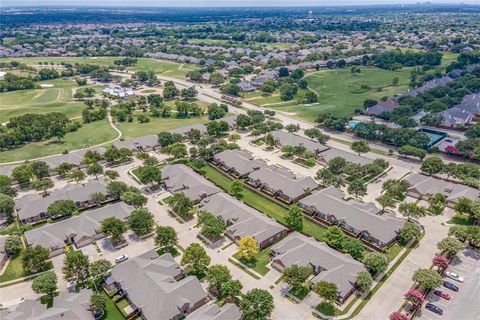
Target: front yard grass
{"x":327,"y":309}
{"x":393,"y":251}
{"x":172,"y":250}
{"x":262,"y":204}
{"x":14,"y":270}
{"x":300,"y":292}
{"x":259,"y":261}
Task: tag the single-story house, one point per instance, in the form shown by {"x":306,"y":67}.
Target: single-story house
{"x":184,"y":130}
{"x":33,"y":207}
{"x":383,"y":106}
{"x":156,"y":287}
{"x":238,"y":163}
{"x":284,"y":138}
{"x":331,"y":153}
{"x":68,"y":305}
{"x":246,"y":86}
{"x":213,"y":311}
{"x":358,"y":218}
{"x":79,"y":230}
{"x":471,"y":103}
{"x":281,"y":183}
{"x":140,"y":144}
{"x":242,"y":220}
{"x":327,"y":263}
{"x":178,"y":178}
{"x":424,"y":187}
{"x":455,"y":118}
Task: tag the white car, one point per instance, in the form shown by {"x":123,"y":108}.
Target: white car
{"x":121,"y":258}
{"x":454,"y":276}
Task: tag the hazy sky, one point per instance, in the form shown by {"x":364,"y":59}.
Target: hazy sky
{"x":213,"y":3}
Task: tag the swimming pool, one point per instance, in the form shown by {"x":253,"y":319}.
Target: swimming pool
{"x":352,"y":123}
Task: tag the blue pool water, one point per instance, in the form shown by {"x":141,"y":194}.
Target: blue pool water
{"x":352,"y":123}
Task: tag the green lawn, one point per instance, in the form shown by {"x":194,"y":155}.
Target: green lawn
{"x":393,"y":251}
{"x":89,"y":134}
{"x":327,"y":309}
{"x":156,"y":125}
{"x":300,"y":292}
{"x":263,"y":204}
{"x":111,"y":311}
{"x":58,"y":98}
{"x":341,"y":92}
{"x":168,"y":68}
{"x":462,"y":219}
{"x":14,"y":270}
{"x":259,"y":261}
{"x":13,"y":228}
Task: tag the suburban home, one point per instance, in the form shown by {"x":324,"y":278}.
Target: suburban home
{"x":284,"y":138}
{"x":79,"y":230}
{"x":281,"y":183}
{"x":178,"y":178}
{"x":434,"y":83}
{"x":3,"y":253}
{"x":140,"y":144}
{"x":455,"y":118}
{"x":382,"y":106}
{"x":32,"y":208}
{"x":331,"y":153}
{"x":156,"y":287}
{"x":424,"y":187}
{"x":471,"y":103}
{"x":360,"y":219}
{"x":246,"y":86}
{"x":184,"y":130}
{"x":68,"y":305}
{"x":242,"y":220}
{"x":327,"y":263}
{"x":237,"y":163}
{"x":213,"y":311}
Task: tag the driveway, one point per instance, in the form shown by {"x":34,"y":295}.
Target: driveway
{"x":463,"y":304}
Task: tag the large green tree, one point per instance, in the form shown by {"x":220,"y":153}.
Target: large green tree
{"x":257,"y":304}
{"x":195,"y":259}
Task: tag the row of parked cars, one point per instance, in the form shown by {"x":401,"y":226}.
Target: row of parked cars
{"x":444,"y":295}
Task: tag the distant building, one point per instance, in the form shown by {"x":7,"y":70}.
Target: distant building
{"x":383,"y":106}
{"x":455,"y":118}
{"x":118,"y":92}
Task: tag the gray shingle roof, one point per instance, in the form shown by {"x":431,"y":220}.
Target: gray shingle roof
{"x":32,"y":205}
{"x":350,"y":157}
{"x":455,"y":117}
{"x":340,"y":269}
{"x":184,"y":130}
{"x":471,"y":103}
{"x":228,"y":311}
{"x":145,"y":142}
{"x":53,"y":235}
{"x":69,"y":305}
{"x":149,"y":281}
{"x":241,"y":219}
{"x":240,"y":160}
{"x":178,"y":178}
{"x":285,"y":138}
{"x":279,"y":181}
{"x":430,"y":186}
{"x":359,"y":215}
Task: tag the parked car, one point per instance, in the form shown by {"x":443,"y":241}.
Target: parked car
{"x":454,"y":276}
{"x":434,"y":308}
{"x":442,"y":294}
{"x":121,"y":258}
{"x":450,"y":286}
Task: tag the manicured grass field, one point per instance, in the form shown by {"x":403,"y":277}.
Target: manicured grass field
{"x":89,"y":134}
{"x":57,"y":98}
{"x":339,"y":91}
{"x":156,"y":125}
{"x":263,"y":204}
{"x":168,"y":68}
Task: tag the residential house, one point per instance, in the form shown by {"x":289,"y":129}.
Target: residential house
{"x":455,"y":118}
{"x":184,"y":130}
{"x":242,"y":220}
{"x":382,"y":106}
{"x":327,"y":263}
{"x":284,"y":138}
{"x":156,"y":287}
{"x":246,"y":86}
{"x":281,"y":183}
{"x":118,"y":92}
{"x":424,"y":187}
{"x":32,"y":208}
{"x":471,"y":103}
{"x":79,"y":230}
{"x":68,"y":305}
{"x":237,"y":163}
{"x":178,"y":178}
{"x":213,"y":311}
{"x":140,"y":144}
{"x":327,"y":155}
{"x":360,"y":219}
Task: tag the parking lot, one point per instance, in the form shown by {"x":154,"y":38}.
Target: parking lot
{"x":464,"y":304}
